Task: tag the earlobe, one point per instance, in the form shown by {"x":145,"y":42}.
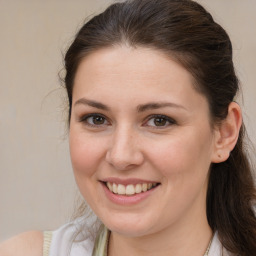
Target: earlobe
{"x":226,"y":134}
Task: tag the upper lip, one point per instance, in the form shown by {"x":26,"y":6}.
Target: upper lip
{"x":129,"y":181}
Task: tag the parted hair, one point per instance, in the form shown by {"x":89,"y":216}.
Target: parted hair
{"x":186,"y":32}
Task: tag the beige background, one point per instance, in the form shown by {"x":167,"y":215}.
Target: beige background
{"x":36,"y":184}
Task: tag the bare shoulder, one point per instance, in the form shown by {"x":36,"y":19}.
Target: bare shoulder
{"x":26,"y":244}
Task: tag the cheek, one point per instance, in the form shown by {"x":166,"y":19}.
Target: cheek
{"x":188,"y":154}
{"x":183,"y":162}
{"x":86,"y":157}
{"x":85,"y":153}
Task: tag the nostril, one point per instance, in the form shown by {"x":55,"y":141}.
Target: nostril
{"x":125,"y":160}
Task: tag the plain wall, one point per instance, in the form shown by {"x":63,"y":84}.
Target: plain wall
{"x":37,"y":188}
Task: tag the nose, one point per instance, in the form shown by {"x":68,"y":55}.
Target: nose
{"x":124,"y":152}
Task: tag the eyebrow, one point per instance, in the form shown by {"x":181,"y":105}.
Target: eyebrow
{"x":140,"y":108}
{"x":157,"y":105}
{"x":91,"y":103}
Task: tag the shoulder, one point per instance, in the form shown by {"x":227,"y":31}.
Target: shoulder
{"x":26,"y":244}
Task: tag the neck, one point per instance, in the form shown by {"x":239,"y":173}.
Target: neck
{"x":187,"y":239}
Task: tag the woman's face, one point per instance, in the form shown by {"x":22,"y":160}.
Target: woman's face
{"x":140,"y":128}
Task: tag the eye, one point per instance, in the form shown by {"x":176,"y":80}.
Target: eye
{"x":94,"y":120}
{"x":159,"y":121}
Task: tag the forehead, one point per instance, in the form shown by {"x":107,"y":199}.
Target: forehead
{"x":131,"y":73}
{"x":128,"y":57}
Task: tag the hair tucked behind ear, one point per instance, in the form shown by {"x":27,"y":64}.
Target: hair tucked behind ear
{"x":186,"y":32}
{"x":230,"y":199}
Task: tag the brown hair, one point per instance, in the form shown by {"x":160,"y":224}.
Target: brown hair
{"x":186,"y":32}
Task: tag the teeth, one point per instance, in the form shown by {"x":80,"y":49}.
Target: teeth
{"x":144,"y":187}
{"x":114,"y":188}
{"x":138,"y":188}
{"x":120,"y":189}
{"x":129,"y":189}
{"x":110,"y":187}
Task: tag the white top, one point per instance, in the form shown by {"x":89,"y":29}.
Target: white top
{"x":66,"y":241}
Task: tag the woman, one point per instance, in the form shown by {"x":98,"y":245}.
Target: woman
{"x":156,"y":139}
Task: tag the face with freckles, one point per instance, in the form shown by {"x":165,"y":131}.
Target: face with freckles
{"x":141,"y":143}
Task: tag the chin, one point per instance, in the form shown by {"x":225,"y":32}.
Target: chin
{"x":129,"y":225}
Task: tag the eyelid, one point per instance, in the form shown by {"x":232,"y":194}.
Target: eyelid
{"x":167,"y":118}
{"x":84,"y":118}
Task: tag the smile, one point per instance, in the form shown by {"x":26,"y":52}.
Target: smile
{"x":130,"y":189}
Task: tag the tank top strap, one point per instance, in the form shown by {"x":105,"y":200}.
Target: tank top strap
{"x":47,"y":242}
{"x":101,"y":242}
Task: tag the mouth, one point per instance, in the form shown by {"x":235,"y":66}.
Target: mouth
{"x":129,"y":189}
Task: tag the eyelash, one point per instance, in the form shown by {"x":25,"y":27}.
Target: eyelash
{"x":84,"y":119}
{"x":166,"y":119}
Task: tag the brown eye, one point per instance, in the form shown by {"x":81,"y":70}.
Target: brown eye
{"x":98,"y":120}
{"x":95,"y":120}
{"x":159,"y":121}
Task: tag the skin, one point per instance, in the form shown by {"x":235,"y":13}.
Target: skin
{"x":26,"y":244}
{"x":176,"y":152}
{"x":128,"y":144}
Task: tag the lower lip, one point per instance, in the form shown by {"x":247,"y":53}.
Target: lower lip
{"x":127,"y":200}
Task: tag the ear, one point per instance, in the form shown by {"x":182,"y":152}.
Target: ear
{"x":226,"y":134}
